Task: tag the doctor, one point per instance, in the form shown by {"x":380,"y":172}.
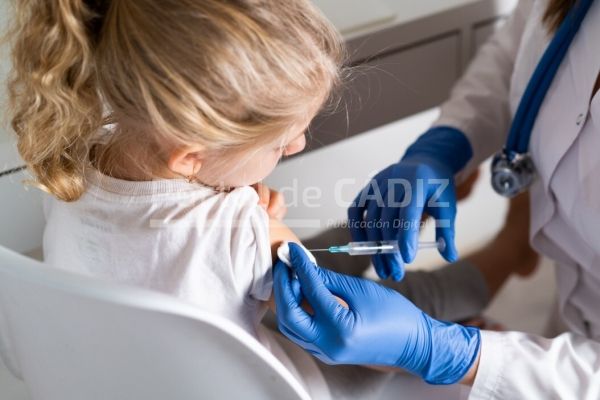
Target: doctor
{"x":541,"y":71}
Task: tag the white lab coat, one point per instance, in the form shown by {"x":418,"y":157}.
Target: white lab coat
{"x":565,"y":221}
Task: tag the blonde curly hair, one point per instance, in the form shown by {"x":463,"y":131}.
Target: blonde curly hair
{"x":226,"y":74}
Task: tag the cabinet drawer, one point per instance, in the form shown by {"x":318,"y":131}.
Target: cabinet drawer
{"x":391,"y":87}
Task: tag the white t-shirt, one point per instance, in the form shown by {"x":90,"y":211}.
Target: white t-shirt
{"x":208,"y":248}
{"x":205,"y":247}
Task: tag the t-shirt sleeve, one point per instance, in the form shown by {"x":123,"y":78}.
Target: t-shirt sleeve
{"x":250,"y":246}
{"x":262,"y":284}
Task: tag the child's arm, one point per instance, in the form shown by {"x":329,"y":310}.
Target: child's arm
{"x":274,"y":204}
{"x":280,"y":233}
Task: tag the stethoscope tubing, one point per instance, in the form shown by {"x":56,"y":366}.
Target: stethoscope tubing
{"x":543,"y":76}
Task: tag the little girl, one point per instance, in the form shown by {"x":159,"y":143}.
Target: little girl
{"x":149,"y":120}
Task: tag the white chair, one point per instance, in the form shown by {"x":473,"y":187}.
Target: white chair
{"x":21,"y":217}
{"x":73,"y":338}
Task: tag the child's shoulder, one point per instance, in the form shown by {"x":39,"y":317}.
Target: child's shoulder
{"x":242,"y":194}
{"x":171,"y":201}
{"x":242,"y":203}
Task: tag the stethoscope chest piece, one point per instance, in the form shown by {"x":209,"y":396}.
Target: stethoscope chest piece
{"x":512,"y":175}
{"x":513,"y":170}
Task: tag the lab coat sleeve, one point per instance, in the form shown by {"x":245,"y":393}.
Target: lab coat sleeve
{"x":479,"y":102}
{"x":522,"y":366}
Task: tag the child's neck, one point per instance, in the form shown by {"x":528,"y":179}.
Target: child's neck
{"x":127,"y":162}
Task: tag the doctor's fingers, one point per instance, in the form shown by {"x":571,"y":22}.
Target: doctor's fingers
{"x":288,"y":305}
{"x":358,"y":294}
{"x":443,"y":210}
{"x":325,"y":305}
{"x":389,"y":232}
{"x":410,"y":213}
{"x":356,"y":215}
{"x":374,"y":224}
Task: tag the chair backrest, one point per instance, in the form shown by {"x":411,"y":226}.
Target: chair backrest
{"x":71,"y":337}
{"x":21,"y":216}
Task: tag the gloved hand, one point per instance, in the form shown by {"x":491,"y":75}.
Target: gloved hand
{"x":380,"y":327}
{"x":391,"y":206}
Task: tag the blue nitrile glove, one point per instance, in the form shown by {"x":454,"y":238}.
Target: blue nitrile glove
{"x":381,"y":327}
{"x":391,"y":206}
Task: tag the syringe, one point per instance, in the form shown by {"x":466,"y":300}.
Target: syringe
{"x":378,"y":247}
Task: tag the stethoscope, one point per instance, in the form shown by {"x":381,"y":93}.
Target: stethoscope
{"x":513,"y":170}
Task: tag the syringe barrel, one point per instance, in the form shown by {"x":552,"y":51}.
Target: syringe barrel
{"x":375,"y":247}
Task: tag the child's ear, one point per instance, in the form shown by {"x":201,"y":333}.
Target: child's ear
{"x":186,"y":161}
